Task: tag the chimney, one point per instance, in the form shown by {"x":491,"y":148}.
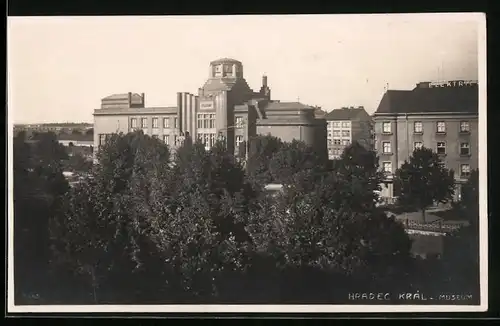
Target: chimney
{"x":143,"y":99}
{"x":264,"y":81}
{"x":424,"y":85}
{"x":129,"y":99}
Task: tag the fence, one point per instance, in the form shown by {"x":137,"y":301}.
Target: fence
{"x":436,"y":226}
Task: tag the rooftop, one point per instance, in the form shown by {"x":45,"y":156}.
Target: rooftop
{"x":276,"y":106}
{"x":76,"y":137}
{"x":224,"y":60}
{"x":123,"y":96}
{"x":147,"y":110}
{"x":344,"y":113}
{"x":423,"y":99}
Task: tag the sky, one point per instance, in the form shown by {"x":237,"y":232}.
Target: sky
{"x":59,"y":68}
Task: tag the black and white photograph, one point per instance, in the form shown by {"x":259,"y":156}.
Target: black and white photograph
{"x":247,"y":163}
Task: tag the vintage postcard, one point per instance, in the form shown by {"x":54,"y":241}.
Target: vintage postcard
{"x":295,"y":163}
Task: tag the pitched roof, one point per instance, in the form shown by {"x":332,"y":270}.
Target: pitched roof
{"x":344,"y":114}
{"x":426,"y":100}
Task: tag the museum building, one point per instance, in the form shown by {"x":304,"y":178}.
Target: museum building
{"x":224,"y":107}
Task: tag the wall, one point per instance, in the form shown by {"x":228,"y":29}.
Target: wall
{"x":288,"y":132}
{"x":109,"y":124}
{"x":403,"y":138}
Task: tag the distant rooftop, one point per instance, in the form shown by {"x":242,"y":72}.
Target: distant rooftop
{"x":76,"y":137}
{"x":344,"y":113}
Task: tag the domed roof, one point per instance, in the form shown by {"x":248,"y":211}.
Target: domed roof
{"x":224,"y":60}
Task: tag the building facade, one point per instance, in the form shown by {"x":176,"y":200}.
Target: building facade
{"x":225,"y":107}
{"x":439,"y":116}
{"x":345,"y":126}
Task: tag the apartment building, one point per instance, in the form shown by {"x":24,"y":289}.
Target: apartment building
{"x":440,"y":116}
{"x":347,"y":125}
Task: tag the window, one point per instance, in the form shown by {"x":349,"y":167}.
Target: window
{"x":166,"y":139}
{"x":155,"y":136}
{"x":239,"y":140}
{"x":176,"y":140}
{"x":345,"y":142}
{"x":386,"y":146}
{"x":205,"y":121}
{"x":346,"y":124}
{"x":239,"y":122}
{"x":441,"y":127}
{"x":155,"y":122}
{"x":441,"y":147}
{"x":144,"y":123}
{"x":346,"y":133}
{"x":387,"y":167}
{"x":211,"y":121}
{"x":336,"y":124}
{"x":464,"y":149}
{"x":329,"y":141}
{"x":336,"y":133}
{"x":166,"y":123}
{"x":417,"y":145}
{"x":417,"y":127}
{"x":336,"y":141}
{"x":329,"y":135}
{"x":464,"y":126}
{"x":176,"y":122}
{"x":133,"y":123}
{"x":212,"y":140}
{"x":386,"y":127}
{"x":102,"y":139}
{"x":330,"y":152}
{"x":464,"y":170}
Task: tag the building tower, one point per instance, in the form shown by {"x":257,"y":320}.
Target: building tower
{"x":265,"y":91}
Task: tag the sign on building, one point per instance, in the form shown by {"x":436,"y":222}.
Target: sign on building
{"x":207,"y":105}
{"x":453,"y":83}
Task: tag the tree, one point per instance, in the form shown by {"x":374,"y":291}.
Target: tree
{"x":103,"y":232}
{"x":461,"y":252}
{"x":361,"y":165}
{"x":318,"y":226}
{"x":292,"y":158}
{"x":39,"y":191}
{"x":199,"y":209}
{"x":423,"y":181}
{"x":262,"y":148}
{"x":78,"y":163}
{"x":327,"y":223}
{"x":470,"y":198}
